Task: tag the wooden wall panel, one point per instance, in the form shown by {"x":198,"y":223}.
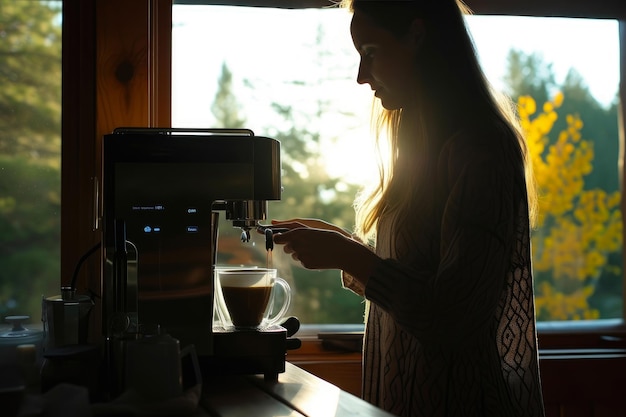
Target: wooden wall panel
{"x":78,"y":151}
{"x":121,"y":65}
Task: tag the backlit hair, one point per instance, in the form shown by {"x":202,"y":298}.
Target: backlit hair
{"x":452,"y":91}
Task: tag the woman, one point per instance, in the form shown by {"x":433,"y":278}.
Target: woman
{"x":450,"y":316}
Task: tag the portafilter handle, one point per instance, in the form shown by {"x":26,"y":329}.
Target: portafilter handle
{"x":269,"y":235}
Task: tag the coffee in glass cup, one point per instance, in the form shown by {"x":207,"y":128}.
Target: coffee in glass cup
{"x":246,"y":297}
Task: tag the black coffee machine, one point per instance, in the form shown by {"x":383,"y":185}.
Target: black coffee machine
{"x":162,"y":191}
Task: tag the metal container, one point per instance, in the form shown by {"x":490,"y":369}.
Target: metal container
{"x":66,"y":318}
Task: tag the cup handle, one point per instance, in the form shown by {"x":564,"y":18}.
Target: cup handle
{"x":283,"y":309}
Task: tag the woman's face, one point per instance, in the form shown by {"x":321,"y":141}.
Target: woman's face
{"x":387,"y":62}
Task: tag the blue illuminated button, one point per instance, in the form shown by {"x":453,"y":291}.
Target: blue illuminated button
{"x":147,"y":229}
{"x":192,"y":229}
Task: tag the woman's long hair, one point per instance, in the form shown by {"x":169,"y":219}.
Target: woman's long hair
{"x":453,"y":96}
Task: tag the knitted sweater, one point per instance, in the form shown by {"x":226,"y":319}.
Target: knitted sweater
{"x":450,"y":321}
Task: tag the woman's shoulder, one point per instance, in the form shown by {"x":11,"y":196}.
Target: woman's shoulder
{"x":469,"y":144}
{"x":481,"y":142}
{"x":483,"y":151}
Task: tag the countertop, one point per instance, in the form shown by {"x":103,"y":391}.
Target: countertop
{"x":296,"y":393}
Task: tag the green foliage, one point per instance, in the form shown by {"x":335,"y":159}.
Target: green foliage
{"x":30,"y":77}
{"x":225,"y":107}
{"x":29,"y":234}
{"x":529,"y":75}
{"x":30,"y":148}
{"x":576,"y":274}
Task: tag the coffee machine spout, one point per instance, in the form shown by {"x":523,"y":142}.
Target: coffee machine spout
{"x":245,"y":214}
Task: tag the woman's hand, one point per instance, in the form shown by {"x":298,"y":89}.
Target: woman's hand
{"x":310,"y":223}
{"x":317,"y":244}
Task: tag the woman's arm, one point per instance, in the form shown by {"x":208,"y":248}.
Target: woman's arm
{"x":327,"y":248}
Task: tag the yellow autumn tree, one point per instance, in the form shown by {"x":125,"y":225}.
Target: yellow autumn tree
{"x":577,"y":228}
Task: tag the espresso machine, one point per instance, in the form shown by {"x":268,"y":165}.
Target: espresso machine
{"x":162,"y":194}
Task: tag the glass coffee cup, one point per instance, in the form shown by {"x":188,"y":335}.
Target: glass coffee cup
{"x":250,"y":298}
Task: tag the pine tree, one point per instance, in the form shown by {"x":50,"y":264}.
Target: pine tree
{"x":225,"y":106}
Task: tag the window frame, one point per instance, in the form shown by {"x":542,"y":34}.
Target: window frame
{"x":116,"y":72}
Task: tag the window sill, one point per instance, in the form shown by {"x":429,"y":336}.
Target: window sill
{"x":594,"y":334}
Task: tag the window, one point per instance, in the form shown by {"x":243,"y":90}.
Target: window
{"x":570,"y":89}
{"x":298,"y":89}
{"x":294,"y":80}
{"x":30,"y":155}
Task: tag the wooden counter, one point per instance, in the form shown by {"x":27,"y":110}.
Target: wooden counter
{"x":297,"y":393}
